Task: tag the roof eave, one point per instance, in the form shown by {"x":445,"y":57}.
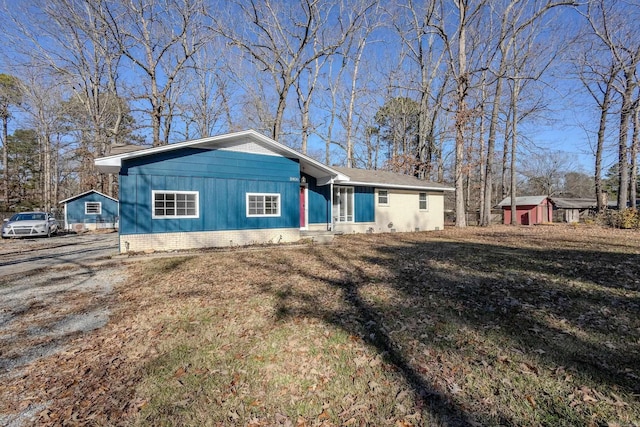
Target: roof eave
{"x":397,"y":186}
{"x":112,"y":164}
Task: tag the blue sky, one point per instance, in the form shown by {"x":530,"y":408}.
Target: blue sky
{"x":569,"y":127}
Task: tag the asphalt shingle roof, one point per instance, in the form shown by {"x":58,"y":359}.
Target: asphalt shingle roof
{"x":562,"y":203}
{"x":388,"y":179}
{"x":523,"y":201}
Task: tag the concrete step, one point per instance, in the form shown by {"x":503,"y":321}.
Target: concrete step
{"x":318,"y":236}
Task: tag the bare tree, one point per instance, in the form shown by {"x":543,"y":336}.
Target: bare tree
{"x":352,"y":94}
{"x":206,"y":104}
{"x":358,"y":38}
{"x":334,"y":88}
{"x":417,"y":30}
{"x":280,"y":38}
{"x":516,"y":17}
{"x":42,"y":105}
{"x":77,"y":54}
{"x":598,"y":81}
{"x":545,"y":171}
{"x":529,"y":61}
{"x":633,"y":175}
{"x":607,"y":22}
{"x":305,"y":95}
{"x":455,"y":43}
{"x":160,"y":39}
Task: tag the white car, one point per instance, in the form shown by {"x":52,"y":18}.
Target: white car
{"x":30,"y":224}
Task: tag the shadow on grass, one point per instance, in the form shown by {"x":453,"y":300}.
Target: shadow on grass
{"x":568,"y":308}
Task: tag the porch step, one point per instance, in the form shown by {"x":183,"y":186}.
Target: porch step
{"x":318,"y":236}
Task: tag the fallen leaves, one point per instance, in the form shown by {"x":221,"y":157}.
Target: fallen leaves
{"x":370,"y":331}
{"x":589,"y":395}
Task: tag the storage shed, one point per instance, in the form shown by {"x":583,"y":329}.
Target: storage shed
{"x":90,"y":210}
{"x":573,"y":209}
{"x":530,"y":210}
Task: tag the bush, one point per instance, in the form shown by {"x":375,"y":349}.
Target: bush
{"x":626,"y":219}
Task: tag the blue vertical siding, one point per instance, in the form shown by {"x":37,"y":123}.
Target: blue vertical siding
{"x":76,"y":210}
{"x":364,"y":201}
{"x":222,"y":179}
{"x":319,"y":201}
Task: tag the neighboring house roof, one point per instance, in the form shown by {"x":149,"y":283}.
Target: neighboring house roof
{"x":523,"y":201}
{"x":387,"y":179}
{"x":325,"y":174}
{"x":565,"y":203}
{"x":84,"y":194}
{"x":125,"y":148}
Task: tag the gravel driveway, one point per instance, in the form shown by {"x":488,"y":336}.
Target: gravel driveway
{"x":51,"y":290}
{"x":19,"y":256}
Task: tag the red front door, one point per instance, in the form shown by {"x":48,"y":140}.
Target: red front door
{"x":303,"y":204}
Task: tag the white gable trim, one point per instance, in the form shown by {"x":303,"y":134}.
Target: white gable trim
{"x":250,"y":139}
{"x":84,"y":194}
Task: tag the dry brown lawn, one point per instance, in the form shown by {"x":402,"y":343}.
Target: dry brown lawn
{"x":480,"y":326}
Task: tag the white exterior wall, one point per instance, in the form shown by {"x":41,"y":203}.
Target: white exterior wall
{"x":402,"y":213}
{"x":356,"y":227}
{"x":205,"y":239}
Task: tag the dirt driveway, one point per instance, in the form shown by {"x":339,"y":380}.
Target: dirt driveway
{"x":51,"y":291}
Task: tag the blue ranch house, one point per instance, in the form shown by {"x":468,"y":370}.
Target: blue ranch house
{"x":89,"y":211}
{"x":245,"y":188}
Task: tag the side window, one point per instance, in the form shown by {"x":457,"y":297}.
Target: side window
{"x":423,"y":205}
{"x":175,"y":204}
{"x":383,"y":197}
{"x":263,"y":204}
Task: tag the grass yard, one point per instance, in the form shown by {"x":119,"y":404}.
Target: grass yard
{"x":504,"y":326}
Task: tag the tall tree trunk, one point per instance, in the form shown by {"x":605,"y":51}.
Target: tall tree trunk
{"x":491,"y":143}
{"x":277,"y":122}
{"x":505,"y":156}
{"x":461,"y":113}
{"x":623,"y":158}
{"x":440,"y":159}
{"x":633,"y":179}
{"x":604,"y":112}
{"x":352,"y":100}
{"x":514,"y":145}
{"x":481,"y":159}
{"x":304,"y":102}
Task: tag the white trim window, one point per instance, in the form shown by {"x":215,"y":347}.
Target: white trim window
{"x":263,"y":204}
{"x":423,"y":203}
{"x":343,"y":204}
{"x":175,"y":204}
{"x":383,"y":197}
{"x":93,"y":208}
